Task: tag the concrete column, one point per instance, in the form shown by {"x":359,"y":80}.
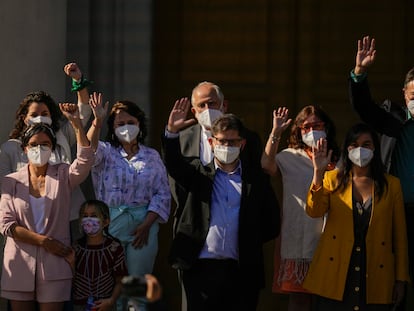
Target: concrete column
{"x":32,"y":53}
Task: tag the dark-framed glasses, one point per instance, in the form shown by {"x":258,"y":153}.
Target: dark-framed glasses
{"x":228,"y":142}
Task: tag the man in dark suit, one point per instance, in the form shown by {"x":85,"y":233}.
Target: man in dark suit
{"x":229,"y":212}
{"x":207,"y":104}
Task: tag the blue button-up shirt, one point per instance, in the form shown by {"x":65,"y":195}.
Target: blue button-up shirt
{"x":223,"y":234}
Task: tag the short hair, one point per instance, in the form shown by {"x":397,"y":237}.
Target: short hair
{"x":295,"y":139}
{"x":21,"y":113}
{"x":409,"y":77}
{"x":36,"y":129}
{"x":133,"y":110}
{"x":227,"y":122}
{"x":217,"y":89}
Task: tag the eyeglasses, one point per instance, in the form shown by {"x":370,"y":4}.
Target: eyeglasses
{"x":44,"y":147}
{"x":319,"y":126}
{"x":228,"y":142}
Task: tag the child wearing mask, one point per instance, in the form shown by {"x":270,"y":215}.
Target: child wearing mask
{"x":98,"y":261}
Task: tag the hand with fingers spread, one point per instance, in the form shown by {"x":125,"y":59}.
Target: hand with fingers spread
{"x":365,"y":56}
{"x":321,"y":158}
{"x":178,"y":116}
{"x":99,"y":110}
{"x":280,"y":120}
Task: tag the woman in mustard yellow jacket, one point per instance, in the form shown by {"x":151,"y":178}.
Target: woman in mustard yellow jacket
{"x":361,"y":261}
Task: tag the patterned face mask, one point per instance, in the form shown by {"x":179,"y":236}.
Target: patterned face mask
{"x":91,"y":225}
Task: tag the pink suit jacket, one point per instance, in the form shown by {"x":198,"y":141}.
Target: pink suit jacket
{"x":21,"y":259}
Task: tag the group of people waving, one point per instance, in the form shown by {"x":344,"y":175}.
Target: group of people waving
{"x":342,"y":223}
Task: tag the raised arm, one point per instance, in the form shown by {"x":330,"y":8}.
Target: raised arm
{"x":280,"y":123}
{"x":99,"y":113}
{"x":178,"y":116}
{"x":71,"y":112}
{"x":360,"y":96}
{"x":79,"y":85}
{"x":321,"y":159}
{"x":365,"y":55}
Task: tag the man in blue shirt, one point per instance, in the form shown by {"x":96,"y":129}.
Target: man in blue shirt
{"x":230,"y":211}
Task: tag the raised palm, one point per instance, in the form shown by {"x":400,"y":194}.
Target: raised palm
{"x":365,"y":56}
{"x":178,"y":115}
{"x":99,"y":110}
{"x":321,"y":155}
{"x":280,"y":120}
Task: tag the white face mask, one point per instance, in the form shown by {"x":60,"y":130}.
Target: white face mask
{"x":39,"y":155}
{"x":226,"y":154}
{"x":40,"y":119}
{"x":410,"y":106}
{"x":127,"y":133}
{"x":310,"y":138}
{"x":208,"y":116}
{"x":360,"y":156}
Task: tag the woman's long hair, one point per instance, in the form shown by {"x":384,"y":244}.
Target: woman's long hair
{"x":21,"y":113}
{"x":376,"y":167}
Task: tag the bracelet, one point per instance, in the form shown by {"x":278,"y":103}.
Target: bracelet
{"x":81,"y":84}
{"x":274,"y":139}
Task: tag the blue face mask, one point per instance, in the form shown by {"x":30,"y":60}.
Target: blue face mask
{"x":91,"y":225}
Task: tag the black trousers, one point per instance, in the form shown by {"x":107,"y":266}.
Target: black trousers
{"x":214,"y":284}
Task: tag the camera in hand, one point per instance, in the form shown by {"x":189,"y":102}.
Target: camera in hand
{"x":134,"y":286}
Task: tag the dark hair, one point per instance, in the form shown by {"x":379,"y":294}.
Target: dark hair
{"x":102,"y":210}
{"x":409,"y":77}
{"x":21,"y":113}
{"x":36,"y":129}
{"x":295,"y":140}
{"x":377,"y":169}
{"x":228,"y":122}
{"x":132,"y":109}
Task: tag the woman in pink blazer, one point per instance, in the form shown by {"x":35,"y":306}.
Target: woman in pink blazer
{"x":34,"y":218}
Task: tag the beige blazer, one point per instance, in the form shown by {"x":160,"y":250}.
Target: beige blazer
{"x":21,"y":259}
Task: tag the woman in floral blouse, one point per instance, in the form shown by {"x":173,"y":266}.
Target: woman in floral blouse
{"x":132,"y":180}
